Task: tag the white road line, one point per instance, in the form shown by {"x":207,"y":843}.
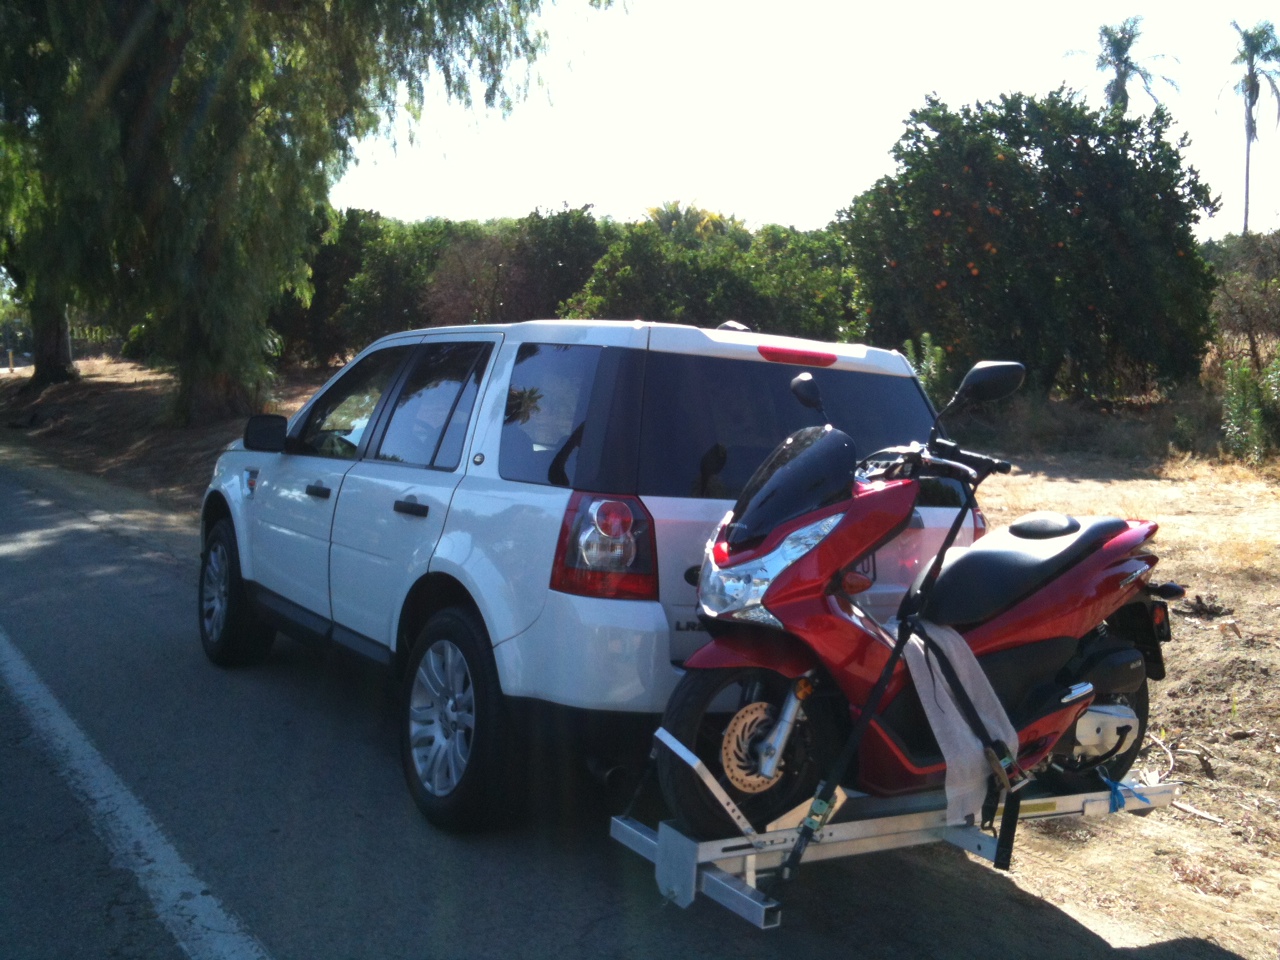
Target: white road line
{"x":201,"y":925}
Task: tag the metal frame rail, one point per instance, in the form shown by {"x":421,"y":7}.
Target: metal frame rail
{"x":728,"y":871}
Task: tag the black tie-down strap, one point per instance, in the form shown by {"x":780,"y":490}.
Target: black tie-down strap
{"x":1008,"y":821}
{"x":1008,"y":828}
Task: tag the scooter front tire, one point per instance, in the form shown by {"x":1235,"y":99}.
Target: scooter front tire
{"x":709,"y":706}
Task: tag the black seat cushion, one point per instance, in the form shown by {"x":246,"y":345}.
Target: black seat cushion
{"x":1002,"y":568}
{"x":1043,"y":524}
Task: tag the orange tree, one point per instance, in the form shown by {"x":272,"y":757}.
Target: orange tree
{"x":1042,"y":231}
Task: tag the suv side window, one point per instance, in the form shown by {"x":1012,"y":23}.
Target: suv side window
{"x":430,"y":417}
{"x":337,"y":422}
{"x":546,"y":412}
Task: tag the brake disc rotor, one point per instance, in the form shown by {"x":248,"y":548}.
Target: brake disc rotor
{"x":740,"y":763}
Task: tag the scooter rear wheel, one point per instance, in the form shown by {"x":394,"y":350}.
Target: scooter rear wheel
{"x":721,"y":715}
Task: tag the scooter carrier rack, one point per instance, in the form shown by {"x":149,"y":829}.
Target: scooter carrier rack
{"x":731,"y":871}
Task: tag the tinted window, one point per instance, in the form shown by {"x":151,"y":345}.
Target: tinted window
{"x":545,"y":418}
{"x":339,"y":419}
{"x":709,"y":422}
{"x":431,"y":413}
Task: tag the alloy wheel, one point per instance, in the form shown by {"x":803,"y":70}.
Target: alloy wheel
{"x":216,"y":591}
{"x":441,"y":718}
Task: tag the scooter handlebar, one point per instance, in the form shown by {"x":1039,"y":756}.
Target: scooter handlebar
{"x":980,"y":464}
{"x":948,"y":468}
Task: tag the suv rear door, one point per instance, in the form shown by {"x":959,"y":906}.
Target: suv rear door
{"x":393,"y":502}
{"x":716,"y":403}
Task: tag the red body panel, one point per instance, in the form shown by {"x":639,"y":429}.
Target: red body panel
{"x":749,"y":648}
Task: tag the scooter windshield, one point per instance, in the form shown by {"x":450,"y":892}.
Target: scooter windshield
{"x":813,"y":468}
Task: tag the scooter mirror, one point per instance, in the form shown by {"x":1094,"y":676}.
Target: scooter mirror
{"x":990,"y":380}
{"x":805,"y":389}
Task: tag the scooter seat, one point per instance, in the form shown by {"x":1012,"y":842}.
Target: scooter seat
{"x":1007,"y":565}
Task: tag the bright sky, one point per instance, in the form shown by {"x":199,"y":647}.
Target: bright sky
{"x":784,"y":112}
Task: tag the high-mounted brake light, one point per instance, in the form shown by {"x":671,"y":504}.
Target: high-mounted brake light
{"x":606,"y":549}
{"x":804,"y":358}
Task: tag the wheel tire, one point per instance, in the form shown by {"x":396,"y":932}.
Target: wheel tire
{"x":455,"y":733}
{"x":1068,"y":779}
{"x":690,"y":719}
{"x":229,"y":632}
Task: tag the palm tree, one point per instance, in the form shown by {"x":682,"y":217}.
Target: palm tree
{"x":691,"y":226}
{"x":1258,"y":47}
{"x":1116,"y":57}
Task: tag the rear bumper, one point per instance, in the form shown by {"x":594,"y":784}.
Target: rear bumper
{"x":592,"y":654}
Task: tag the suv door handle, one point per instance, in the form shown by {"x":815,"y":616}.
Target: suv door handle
{"x":318,"y":490}
{"x":412,"y":507}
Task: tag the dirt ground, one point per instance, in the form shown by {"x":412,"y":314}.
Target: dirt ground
{"x":1208,"y":871}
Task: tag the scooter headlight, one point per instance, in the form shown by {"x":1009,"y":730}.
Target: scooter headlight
{"x":737,"y":591}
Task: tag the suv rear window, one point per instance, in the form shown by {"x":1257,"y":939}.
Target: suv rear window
{"x":710,"y":421}
{"x":615,"y":420}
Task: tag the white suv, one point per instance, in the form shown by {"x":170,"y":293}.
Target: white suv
{"x":515,"y":515}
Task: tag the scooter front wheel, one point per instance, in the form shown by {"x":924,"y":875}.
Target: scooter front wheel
{"x":722,"y":716}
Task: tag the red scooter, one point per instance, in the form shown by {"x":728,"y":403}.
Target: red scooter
{"x":799,"y":691}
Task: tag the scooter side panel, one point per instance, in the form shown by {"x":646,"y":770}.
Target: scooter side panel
{"x":1076,"y":602}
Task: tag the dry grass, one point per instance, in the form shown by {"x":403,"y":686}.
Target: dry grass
{"x":1205,"y":879}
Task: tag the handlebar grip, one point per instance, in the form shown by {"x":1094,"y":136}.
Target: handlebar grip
{"x":950,"y":469}
{"x":976,"y":461}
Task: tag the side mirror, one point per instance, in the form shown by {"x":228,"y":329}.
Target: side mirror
{"x":990,"y":380}
{"x":266,"y":432}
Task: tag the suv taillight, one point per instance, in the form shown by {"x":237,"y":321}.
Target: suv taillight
{"x":979,"y":523}
{"x":606,"y":549}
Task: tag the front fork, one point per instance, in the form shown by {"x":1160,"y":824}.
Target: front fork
{"x":769,"y":751}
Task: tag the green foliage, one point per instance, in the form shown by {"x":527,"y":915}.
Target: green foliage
{"x":1116,"y":58}
{"x":690,"y":266}
{"x":139,"y":344}
{"x":930,"y":367}
{"x":165,"y":159}
{"x":1251,"y":410}
{"x":371,"y":275}
{"x":312,"y":323}
{"x":557,"y":253}
{"x":1041,"y":231}
{"x":388,"y":292}
{"x":1246,"y":304}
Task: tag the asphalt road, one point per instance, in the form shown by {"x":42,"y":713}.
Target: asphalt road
{"x":261,"y":812}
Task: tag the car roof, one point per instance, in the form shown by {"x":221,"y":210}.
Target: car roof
{"x":686,"y":339}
